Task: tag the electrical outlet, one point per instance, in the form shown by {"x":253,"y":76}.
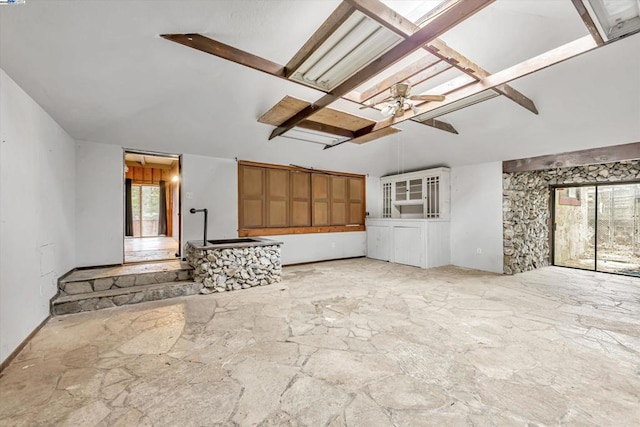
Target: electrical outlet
{"x":479,"y":251}
{"x":189,"y":195}
{"x":333,"y":245}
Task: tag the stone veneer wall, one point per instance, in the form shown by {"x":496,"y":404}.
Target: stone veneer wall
{"x":526,"y":210}
{"x":230,"y":269}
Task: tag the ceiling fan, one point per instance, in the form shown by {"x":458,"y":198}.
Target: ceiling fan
{"x":399,"y":101}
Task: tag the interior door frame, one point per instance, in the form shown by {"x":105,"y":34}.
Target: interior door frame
{"x":178,"y":157}
{"x":552,"y":228}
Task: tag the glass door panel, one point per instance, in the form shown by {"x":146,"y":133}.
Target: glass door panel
{"x":145,"y":206}
{"x":150,"y":209}
{"x":574,"y":225}
{"x":415,"y":189}
{"x":618,"y":243}
{"x":401,"y":191}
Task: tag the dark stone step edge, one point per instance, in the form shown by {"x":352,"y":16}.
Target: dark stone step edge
{"x":122,"y":296}
{"x":123,"y":281}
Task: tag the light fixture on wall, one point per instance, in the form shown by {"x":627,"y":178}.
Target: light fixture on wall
{"x":355,"y":44}
{"x":175,"y":178}
{"x":614,"y":18}
{"x":457,"y":105}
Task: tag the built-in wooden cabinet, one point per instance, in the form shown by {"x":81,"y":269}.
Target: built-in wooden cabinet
{"x":275,"y":199}
{"x":414,"y":228}
{"x":419,"y":242}
{"x":421,"y":194}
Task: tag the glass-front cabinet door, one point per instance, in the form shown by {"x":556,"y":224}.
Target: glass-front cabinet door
{"x":415,"y":189}
{"x":401,"y":191}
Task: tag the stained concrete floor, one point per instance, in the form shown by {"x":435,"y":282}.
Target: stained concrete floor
{"x":355,"y":343}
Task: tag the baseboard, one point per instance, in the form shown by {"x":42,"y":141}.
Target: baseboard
{"x":323,"y":260}
{"x":21,"y":346}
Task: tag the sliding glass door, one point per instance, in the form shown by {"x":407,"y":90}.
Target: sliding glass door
{"x":597,"y":227}
{"x":145,"y":203}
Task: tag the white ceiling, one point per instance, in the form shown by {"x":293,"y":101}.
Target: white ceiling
{"x":103,"y":73}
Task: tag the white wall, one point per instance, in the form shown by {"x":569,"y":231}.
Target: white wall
{"x":99,"y":204}
{"x":207,"y":182}
{"x":37,"y":212}
{"x":210,"y":183}
{"x":476,"y":216}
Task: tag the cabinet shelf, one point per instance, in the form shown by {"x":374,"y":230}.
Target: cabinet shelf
{"x":408,"y":202}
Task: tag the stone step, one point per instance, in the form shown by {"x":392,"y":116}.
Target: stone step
{"x":127,"y":276}
{"x":97,"y":300}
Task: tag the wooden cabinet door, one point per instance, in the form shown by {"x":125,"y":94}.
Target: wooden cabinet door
{"x":251,"y":182}
{"x":320,"y":200}
{"x":356,"y":201}
{"x":300,"y":199}
{"x":339,"y":200}
{"x":277,"y":198}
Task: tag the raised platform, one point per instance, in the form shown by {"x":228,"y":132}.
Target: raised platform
{"x":98,"y":288}
{"x":232,"y":264}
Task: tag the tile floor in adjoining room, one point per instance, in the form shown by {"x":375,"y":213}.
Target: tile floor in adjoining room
{"x":346,"y":343}
{"x":144,"y":249}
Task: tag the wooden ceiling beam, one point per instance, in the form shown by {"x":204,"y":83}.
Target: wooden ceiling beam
{"x":230,"y":53}
{"x":457,"y":12}
{"x":402,"y":75}
{"x":326,"y":128}
{"x":439,"y":125}
{"x":328,"y":27}
{"x":547,"y":59}
{"x":615,"y":153}
{"x":437,"y":47}
{"x":221,"y":50}
{"x":588,"y":21}
{"x":413,"y":81}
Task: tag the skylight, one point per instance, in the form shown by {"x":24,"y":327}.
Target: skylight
{"x":615,"y":18}
{"x":413,"y":10}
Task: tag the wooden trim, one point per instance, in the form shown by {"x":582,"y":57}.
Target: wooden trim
{"x":328,"y":27}
{"x":6,"y":362}
{"x":439,"y":48}
{"x":588,"y":21}
{"x":522,"y":69}
{"x":439,"y":125}
{"x":298,"y":168}
{"x":322,"y":127}
{"x":221,"y":50}
{"x":148,"y":165}
{"x":415,"y":80}
{"x":456,"y":13}
{"x":402,"y":75}
{"x":255,"y":232}
{"x":591,"y":156}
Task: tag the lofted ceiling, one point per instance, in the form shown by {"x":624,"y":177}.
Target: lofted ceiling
{"x":100,"y":69}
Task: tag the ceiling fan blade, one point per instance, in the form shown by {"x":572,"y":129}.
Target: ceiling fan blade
{"x":427,"y":97}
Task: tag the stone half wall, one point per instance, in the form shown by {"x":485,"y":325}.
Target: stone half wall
{"x":526,"y":209}
{"x":228,"y":269}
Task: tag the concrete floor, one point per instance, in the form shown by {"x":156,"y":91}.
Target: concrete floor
{"x":356,"y":343}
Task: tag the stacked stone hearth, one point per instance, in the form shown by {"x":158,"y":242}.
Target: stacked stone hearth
{"x":233,"y":268}
{"x":95,"y":289}
{"x":526,"y":208}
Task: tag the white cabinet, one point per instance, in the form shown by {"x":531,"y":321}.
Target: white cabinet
{"x":378,"y":239}
{"x":419,"y":242}
{"x":421,"y":194}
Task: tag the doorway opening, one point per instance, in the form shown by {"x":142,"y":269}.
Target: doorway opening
{"x":152,"y":207}
{"x":597,"y":227}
